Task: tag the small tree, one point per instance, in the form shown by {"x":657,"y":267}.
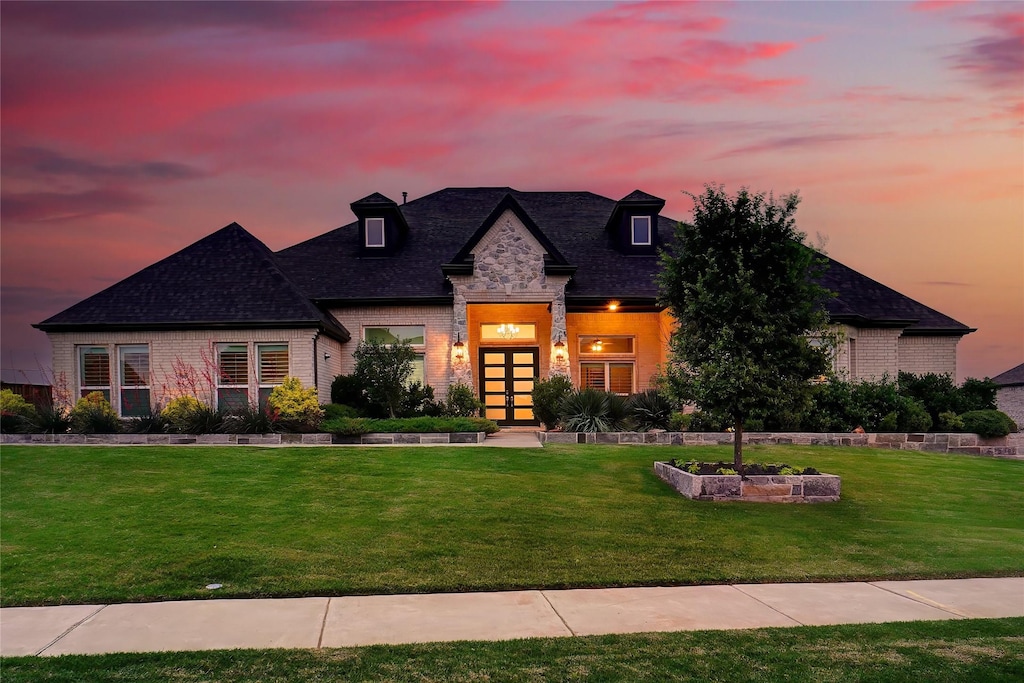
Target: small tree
{"x":738,"y":281}
{"x":384,"y":371}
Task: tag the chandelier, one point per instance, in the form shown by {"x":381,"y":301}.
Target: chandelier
{"x":507,"y":331}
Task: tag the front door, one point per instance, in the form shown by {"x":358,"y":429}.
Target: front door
{"x":506,"y":383}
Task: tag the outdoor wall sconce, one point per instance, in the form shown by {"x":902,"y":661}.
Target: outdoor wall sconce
{"x":559,"y":350}
{"x":327,"y":356}
{"x":507,"y":330}
{"x":597,"y":345}
{"x":460,"y":349}
{"x":613,"y":306}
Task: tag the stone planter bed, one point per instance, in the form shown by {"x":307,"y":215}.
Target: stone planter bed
{"x":242,"y":439}
{"x":1011,"y":446}
{"x":772,"y":488}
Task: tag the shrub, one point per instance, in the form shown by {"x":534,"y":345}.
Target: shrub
{"x":701,"y":421}
{"x":153,"y":422}
{"x":976,"y":394}
{"x":16,"y":414}
{"x":418,"y":400}
{"x":548,"y":395}
{"x":833,"y":408}
{"x":332,"y":411}
{"x":877,"y":404}
{"x":649,"y":410}
{"x":52,"y":419}
{"x":177,"y":412}
{"x":679,"y":422}
{"x":591,"y":410}
{"x":293,"y":406}
{"x":912,"y":416}
{"x":253,"y":419}
{"x":462,"y":402}
{"x":950,"y":422}
{"x":348,"y":390}
{"x":988,"y":423}
{"x":93,"y":415}
{"x":348,"y":426}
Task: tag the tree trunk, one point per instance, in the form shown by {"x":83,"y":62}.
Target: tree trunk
{"x":737,"y":447}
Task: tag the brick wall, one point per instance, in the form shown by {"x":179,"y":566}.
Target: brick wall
{"x":1010,"y":400}
{"x":193,"y":348}
{"x":437,"y":321}
{"x":648,"y":329}
{"x":876,"y":354}
{"x":921,"y":355}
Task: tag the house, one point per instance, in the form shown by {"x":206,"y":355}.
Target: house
{"x":32,"y":385}
{"x":1010,"y":394}
{"x":493,"y":287}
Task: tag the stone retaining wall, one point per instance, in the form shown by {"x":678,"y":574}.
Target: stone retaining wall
{"x":761,"y":488}
{"x":971,"y":444}
{"x":240,"y":439}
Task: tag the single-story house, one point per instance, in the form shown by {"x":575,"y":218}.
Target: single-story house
{"x":1010,"y":394}
{"x":32,"y":385}
{"x":492,"y":287}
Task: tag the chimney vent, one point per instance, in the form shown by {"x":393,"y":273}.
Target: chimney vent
{"x":405,"y":196}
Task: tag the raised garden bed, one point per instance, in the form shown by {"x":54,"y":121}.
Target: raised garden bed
{"x":760,"y":488}
{"x":318,"y":439}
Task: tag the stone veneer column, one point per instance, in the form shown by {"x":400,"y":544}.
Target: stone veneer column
{"x":462,"y":371}
{"x":558,"y":333}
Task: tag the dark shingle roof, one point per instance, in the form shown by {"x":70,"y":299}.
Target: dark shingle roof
{"x":640,"y":196}
{"x":1011,"y":378}
{"x":229,"y":278}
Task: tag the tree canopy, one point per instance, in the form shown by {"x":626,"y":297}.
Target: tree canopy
{"x":739,"y":281}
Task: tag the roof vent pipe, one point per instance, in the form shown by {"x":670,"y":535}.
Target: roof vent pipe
{"x":405,"y":195}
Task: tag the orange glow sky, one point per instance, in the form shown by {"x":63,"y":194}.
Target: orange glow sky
{"x":131,"y":130}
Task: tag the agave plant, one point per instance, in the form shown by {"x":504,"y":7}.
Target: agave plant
{"x":591,"y":410}
{"x":650,"y":410}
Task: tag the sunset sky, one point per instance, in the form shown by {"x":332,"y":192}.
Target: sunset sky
{"x":131,"y":130}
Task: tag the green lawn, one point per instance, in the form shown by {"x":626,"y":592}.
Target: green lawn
{"x":970,"y":650}
{"x":94,"y":524}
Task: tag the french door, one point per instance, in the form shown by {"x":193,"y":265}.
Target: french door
{"x":506,"y":383}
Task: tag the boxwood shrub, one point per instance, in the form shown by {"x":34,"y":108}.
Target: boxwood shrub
{"x":988,"y":423}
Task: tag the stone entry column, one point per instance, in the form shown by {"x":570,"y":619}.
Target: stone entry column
{"x":462,"y":370}
{"x":558,"y":334}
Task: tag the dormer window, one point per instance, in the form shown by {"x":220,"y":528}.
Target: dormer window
{"x":375,"y":232}
{"x":641,"y":230}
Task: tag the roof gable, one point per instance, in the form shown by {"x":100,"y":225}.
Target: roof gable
{"x":228,"y":278}
{"x":509,"y":203}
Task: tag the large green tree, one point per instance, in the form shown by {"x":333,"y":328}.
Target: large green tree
{"x":739,"y":280}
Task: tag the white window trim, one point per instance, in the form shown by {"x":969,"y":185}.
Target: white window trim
{"x":84,"y":388}
{"x":121,"y":385}
{"x":220,"y":376}
{"x":260,"y":384}
{"x":376,"y":221}
{"x":632,"y":231}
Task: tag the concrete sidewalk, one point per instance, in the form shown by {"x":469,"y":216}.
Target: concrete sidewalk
{"x":374,"y":619}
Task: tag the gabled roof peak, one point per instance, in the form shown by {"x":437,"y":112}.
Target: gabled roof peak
{"x":375,"y":198}
{"x":641,"y":196}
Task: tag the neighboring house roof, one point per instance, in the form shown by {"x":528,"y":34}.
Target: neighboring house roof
{"x":1014,"y":377}
{"x":231,"y":278}
{"x":226,"y":280}
{"x":32,"y":377}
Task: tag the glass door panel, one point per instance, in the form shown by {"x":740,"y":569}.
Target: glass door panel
{"x":506,"y":384}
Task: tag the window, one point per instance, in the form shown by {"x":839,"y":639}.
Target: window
{"x":614,"y":377}
{"x":375,"y":232}
{"x":606,"y":345}
{"x":273,"y":368}
{"x":414,"y":335}
{"x":133,"y":362}
{"x":94,"y":370}
{"x":641,"y":230}
{"x":232,"y":376}
{"x":508,"y":332}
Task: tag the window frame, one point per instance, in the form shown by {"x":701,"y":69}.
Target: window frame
{"x":83,"y":388}
{"x":606,"y":366}
{"x":377,"y":220}
{"x":419,"y":349}
{"x":264,"y":386}
{"x":221,"y":348}
{"x":123,"y":384}
{"x":632,"y":231}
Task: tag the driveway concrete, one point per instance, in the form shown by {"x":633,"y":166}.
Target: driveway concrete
{"x":393,"y":619}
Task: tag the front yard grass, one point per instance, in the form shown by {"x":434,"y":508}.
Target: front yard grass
{"x":116,"y":524}
{"x":967,"y":650}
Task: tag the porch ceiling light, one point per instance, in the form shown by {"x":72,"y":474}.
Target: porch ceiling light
{"x":597,"y":345}
{"x":613,"y":306}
